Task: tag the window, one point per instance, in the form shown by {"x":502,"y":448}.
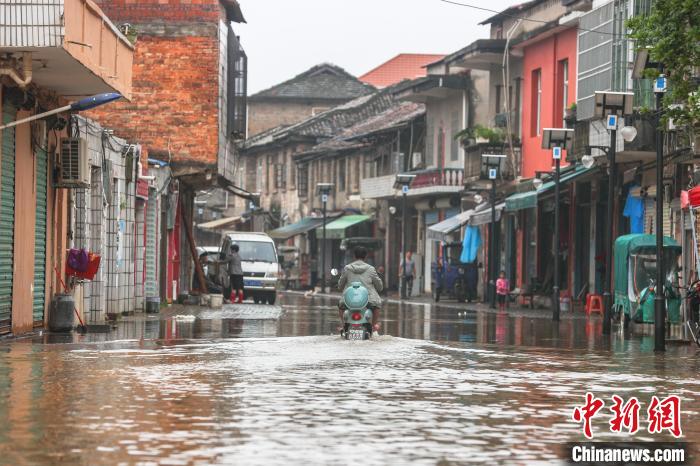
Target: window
{"x":260,"y":176}
{"x":429,"y":142}
{"x":564,"y":72}
{"x":303,"y":178}
{"x":356,"y":178}
{"x":279,"y":175}
{"x":536,"y":102}
{"x":499,"y":90}
{"x":236,"y":87}
{"x":341,"y":175}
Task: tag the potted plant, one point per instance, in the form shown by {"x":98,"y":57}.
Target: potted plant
{"x":570,"y":114}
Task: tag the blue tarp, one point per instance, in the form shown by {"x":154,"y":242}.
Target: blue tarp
{"x":634,"y":209}
{"x":471,"y":244}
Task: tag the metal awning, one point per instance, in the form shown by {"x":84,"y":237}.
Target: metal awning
{"x":298,"y":228}
{"x":439,"y":231}
{"x":219,"y":223}
{"x":483,"y":217}
{"x":528,"y":200}
{"x":336,"y":229}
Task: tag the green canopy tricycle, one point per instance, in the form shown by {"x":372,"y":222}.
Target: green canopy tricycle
{"x":635,"y":271}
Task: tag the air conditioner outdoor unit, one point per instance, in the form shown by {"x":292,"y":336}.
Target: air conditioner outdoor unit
{"x":74,"y":171}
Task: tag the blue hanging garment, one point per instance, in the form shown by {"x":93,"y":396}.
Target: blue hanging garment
{"x":634,"y":209}
{"x":470,"y":245}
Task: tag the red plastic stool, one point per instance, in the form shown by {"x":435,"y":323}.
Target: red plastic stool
{"x":594,"y":303}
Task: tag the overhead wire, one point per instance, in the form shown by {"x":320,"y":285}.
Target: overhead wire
{"x":524,"y":18}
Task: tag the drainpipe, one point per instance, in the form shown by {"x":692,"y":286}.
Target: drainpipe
{"x":26,"y":78}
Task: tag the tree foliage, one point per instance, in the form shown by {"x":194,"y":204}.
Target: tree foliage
{"x":672,"y":31}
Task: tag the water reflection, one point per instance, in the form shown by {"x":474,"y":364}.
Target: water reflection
{"x":298,"y":316}
{"x":290,"y":400}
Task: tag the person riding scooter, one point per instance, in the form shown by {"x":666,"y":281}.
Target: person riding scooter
{"x":360,"y":271}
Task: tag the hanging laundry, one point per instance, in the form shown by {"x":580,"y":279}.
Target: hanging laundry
{"x":470,"y":245}
{"x":634,"y":210}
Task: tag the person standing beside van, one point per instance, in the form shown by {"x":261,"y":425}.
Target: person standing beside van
{"x":235,"y":271}
{"x":407,"y":271}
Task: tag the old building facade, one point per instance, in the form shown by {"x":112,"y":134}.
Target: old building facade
{"x":314,"y":91}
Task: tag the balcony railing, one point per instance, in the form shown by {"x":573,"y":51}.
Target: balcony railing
{"x":74,"y":37}
{"x":438,"y":177}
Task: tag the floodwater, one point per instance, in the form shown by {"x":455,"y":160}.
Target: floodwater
{"x":264,"y":385}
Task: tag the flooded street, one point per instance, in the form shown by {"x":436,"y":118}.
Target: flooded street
{"x":264,"y":385}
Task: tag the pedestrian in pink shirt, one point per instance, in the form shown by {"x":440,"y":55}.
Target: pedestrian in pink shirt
{"x":502,"y":289}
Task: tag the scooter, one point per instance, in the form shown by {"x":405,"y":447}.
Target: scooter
{"x":357,"y":316}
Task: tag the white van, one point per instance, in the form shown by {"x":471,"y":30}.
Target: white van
{"x":259,"y":263}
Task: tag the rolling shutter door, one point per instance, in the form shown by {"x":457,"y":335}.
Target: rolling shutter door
{"x":7,"y":218}
{"x":151,"y":265}
{"x":40,"y":237}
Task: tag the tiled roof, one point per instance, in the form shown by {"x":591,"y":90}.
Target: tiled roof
{"x":401,"y":67}
{"x":327,"y":124}
{"x":513,"y":11}
{"x":322,"y":82}
{"x":397,"y":115}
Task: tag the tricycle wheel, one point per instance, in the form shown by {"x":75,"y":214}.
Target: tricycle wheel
{"x":460,"y":291}
{"x":436,"y":294}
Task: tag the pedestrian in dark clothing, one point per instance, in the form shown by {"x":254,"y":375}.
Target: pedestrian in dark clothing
{"x":471,"y":277}
{"x":235,"y":272}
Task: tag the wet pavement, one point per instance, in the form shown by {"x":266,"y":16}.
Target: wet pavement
{"x":271,"y":385}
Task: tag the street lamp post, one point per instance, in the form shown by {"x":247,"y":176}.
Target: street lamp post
{"x":403,"y":180}
{"x":642,"y":63}
{"x":492,"y":162}
{"x":557,"y":139}
{"x":324,"y":190}
{"x":611,"y":105}
{"x":82,"y":104}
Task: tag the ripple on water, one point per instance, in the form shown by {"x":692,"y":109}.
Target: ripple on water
{"x":318,"y":400}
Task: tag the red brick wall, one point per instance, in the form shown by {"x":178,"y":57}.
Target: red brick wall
{"x":174,"y":101}
{"x":135,"y":11}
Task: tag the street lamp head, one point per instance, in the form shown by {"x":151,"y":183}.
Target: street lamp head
{"x":557,"y":137}
{"x":641,"y":61}
{"x":537,"y":183}
{"x":613,"y":103}
{"x":629,"y":133}
{"x":478,"y":198}
{"x":588,"y":161}
{"x":324,"y":188}
{"x":392,"y":210}
{"x":403,"y":179}
{"x":95,"y":101}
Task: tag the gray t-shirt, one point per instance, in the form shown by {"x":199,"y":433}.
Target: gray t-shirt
{"x":234,"y":264}
{"x":410,"y":268}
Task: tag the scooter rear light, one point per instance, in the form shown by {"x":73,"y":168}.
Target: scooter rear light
{"x":356,"y":316}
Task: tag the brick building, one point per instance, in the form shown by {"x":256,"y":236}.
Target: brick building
{"x":314,"y":91}
{"x":188,"y":106}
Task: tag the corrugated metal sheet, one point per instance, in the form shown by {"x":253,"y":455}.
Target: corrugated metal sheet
{"x":595,"y":54}
{"x":31,"y":23}
{"x":7,"y":218}
{"x":40,"y":237}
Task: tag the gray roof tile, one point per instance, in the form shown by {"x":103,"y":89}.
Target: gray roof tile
{"x":322,"y":82}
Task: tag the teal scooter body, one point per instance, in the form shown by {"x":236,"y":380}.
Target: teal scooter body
{"x":357,"y":316}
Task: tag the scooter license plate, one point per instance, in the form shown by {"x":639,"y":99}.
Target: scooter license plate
{"x":356,"y":334}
